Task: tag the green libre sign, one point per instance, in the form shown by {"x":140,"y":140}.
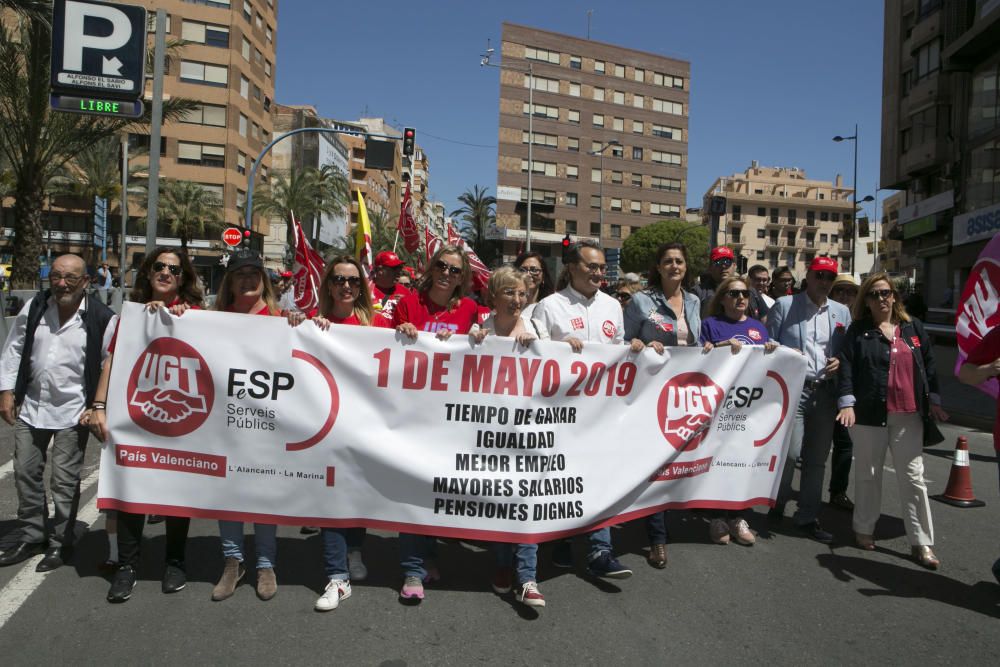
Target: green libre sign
{"x":97,"y":106}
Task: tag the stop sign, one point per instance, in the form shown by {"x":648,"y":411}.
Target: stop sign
{"x":232,"y":236}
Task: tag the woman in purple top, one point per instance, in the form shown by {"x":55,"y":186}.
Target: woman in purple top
{"x":728,"y":324}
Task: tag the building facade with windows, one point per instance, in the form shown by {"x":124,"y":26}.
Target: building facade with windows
{"x":776,"y":216}
{"x":941,"y":138}
{"x":609,"y":133}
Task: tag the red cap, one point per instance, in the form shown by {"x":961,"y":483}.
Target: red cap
{"x":411,"y":271}
{"x":286,"y":274}
{"x":824,"y":264}
{"x":722,"y":252}
{"x":388,"y":258}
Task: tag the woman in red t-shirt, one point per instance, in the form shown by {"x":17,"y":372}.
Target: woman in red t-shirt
{"x":439,"y":304}
{"x":166,"y":279}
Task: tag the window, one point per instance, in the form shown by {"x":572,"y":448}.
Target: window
{"x":824,"y":216}
{"x":661,"y":157}
{"x":210,"y":75}
{"x":822,"y":238}
{"x":596,"y":146}
{"x":595,"y":229}
{"x":835,"y":217}
{"x":761,"y":234}
{"x":243,"y":125}
{"x":984,"y":111}
{"x":260,"y":21}
{"x":575,"y":62}
{"x":571,"y":199}
{"x":538,"y":167}
{"x":620,"y":71}
{"x":241,"y":163}
{"x":595,"y":201}
{"x":618,"y":97}
{"x":258,"y":57}
{"x":906,"y":82}
{"x":598,"y":120}
{"x":206,"y":155}
{"x":267,"y":68}
{"x":638,"y":101}
{"x":616,"y":231}
{"x":541,"y":83}
{"x":792,"y":214}
{"x":639,"y":75}
{"x":636,"y":153}
{"x":541,"y":55}
{"x":928,"y":59}
{"x":244,"y":87}
{"x":543,"y":196}
{"x":241,"y":199}
{"x":256,"y":92}
{"x":667,"y":80}
{"x":666,"y":132}
{"x":269,"y":33}
{"x":618,"y":152}
{"x":595,"y":175}
{"x":618,"y":124}
{"x":666,"y":106}
{"x":245,"y":49}
{"x":214,"y":190}
{"x":774,"y":216}
{"x":617,"y":177}
{"x":571,"y":226}
{"x":574,"y":89}
{"x":635,"y":207}
{"x":573,"y":116}
{"x":206,"y":114}
{"x":664,"y":209}
{"x":737,"y":212}
{"x":760,"y":255}
{"x":572,"y":172}
{"x":255,"y":130}
{"x":151,"y":21}
{"x":637,"y":126}
{"x":810,"y":218}
{"x":542,"y":111}
{"x":247,"y":10}
{"x":668,"y":184}
{"x":616,"y":204}
{"x":637,"y":180}
{"x":833,"y":238}
{"x":599,"y":94}
{"x":548,"y":140}
{"x":599,"y":66}
{"x":573,"y":144}
{"x":790,"y":258}
{"x":208,"y":34}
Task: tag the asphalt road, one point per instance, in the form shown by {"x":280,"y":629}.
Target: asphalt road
{"x":787,"y":600}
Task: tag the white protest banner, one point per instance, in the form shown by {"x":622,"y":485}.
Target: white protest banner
{"x":244,"y":417}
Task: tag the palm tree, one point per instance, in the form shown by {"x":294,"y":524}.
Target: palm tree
{"x":39,"y":10}
{"x":475,"y":216}
{"x":95,"y":172}
{"x":189,"y":210}
{"x":306,"y":193}
{"x":38,"y":143}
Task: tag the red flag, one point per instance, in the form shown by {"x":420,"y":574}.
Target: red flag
{"x":407,"y":226}
{"x":480,"y":274}
{"x":454,"y":238}
{"x":431,"y":242}
{"x":306,"y":272}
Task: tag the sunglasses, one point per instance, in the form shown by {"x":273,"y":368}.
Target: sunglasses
{"x":175,"y":269}
{"x":725,"y":262}
{"x":353,"y":281}
{"x":825,"y":275}
{"x":445,"y":267}
{"x":533,"y":270}
{"x":880,"y":294}
{"x":738,"y":294}
{"x":623,"y":296}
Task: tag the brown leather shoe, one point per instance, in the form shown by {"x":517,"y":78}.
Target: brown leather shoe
{"x":267,"y":584}
{"x":657,"y":556}
{"x":925,"y":557}
{"x":231,"y":576}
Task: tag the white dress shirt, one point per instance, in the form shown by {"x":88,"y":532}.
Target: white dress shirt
{"x":55,"y":396}
{"x":569,"y":314}
{"x":817,"y":343}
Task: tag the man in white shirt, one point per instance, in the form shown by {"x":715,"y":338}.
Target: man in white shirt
{"x":581,"y":313}
{"x":49,"y":369}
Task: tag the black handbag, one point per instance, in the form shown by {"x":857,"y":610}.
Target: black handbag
{"x":932,"y":434}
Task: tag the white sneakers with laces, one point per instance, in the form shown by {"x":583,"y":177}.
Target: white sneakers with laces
{"x":336,"y":590}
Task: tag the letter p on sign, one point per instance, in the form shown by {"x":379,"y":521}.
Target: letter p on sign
{"x":76,"y":15}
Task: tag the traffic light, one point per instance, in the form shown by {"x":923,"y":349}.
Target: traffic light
{"x":409,"y":139}
{"x":741,"y":265}
{"x":566,"y":243}
{"x":246,"y":239}
{"x":863,"y":228}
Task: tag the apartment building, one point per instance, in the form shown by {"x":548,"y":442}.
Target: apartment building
{"x":941,"y":137}
{"x":776,"y":216}
{"x":608,"y":129}
{"x":890,"y":236}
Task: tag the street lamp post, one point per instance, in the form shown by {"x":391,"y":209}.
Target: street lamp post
{"x":600,"y":186}
{"x":485,"y":62}
{"x":854,"y":199}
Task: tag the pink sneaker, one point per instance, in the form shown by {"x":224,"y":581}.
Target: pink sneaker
{"x":413,"y":589}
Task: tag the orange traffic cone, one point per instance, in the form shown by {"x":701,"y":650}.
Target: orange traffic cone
{"x":959,"y":489}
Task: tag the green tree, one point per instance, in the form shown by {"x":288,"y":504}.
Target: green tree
{"x":96,"y":172}
{"x":639,"y":249}
{"x":477,"y":213}
{"x":306,"y":193}
{"x":188,"y":210}
{"x":38,"y":143}
{"x":38,"y":10}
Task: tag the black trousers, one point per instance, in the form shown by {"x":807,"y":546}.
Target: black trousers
{"x":130,"y":537}
{"x":840,"y":459}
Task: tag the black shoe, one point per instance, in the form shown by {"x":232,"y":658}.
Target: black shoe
{"x":53,"y":560}
{"x":174,"y":578}
{"x":122,"y":584}
{"x":20,"y":552}
{"x":562,"y":554}
{"x":154,"y":519}
{"x":841,"y":502}
{"x":813,"y":531}
{"x":308,"y":530}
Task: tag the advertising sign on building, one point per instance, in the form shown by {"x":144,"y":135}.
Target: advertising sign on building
{"x":332,"y":226}
{"x":976,"y":226}
{"x":508,"y":193}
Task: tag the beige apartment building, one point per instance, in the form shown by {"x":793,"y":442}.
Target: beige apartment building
{"x":776,"y":216}
{"x":609,"y":138}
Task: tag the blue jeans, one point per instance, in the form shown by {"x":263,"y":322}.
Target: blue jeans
{"x":656,"y":528}
{"x":265,"y":538}
{"x":522,"y":557}
{"x":335,"y":541}
{"x":812,"y":436}
{"x":413,"y":550}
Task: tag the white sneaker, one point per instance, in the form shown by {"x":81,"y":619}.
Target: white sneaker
{"x":336,"y":590}
{"x":356,"y":566}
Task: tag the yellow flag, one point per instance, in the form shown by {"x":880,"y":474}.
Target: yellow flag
{"x":363,"y":239}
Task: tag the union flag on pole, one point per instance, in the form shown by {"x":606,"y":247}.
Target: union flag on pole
{"x":363,"y":239}
{"x":306,"y":272}
{"x":431,"y":242}
{"x":480,"y":274}
{"x":407,"y":226}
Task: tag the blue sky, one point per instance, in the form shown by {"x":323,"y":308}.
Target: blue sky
{"x":772,"y":80}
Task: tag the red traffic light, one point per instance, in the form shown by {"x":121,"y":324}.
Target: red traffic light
{"x":566,"y":242}
{"x":409,"y":140}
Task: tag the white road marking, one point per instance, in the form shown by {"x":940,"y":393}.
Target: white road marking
{"x":25,"y":582}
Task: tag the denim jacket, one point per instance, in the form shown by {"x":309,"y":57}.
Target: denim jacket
{"x":649,"y":318}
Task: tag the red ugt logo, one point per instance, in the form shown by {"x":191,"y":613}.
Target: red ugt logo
{"x":170,"y":390}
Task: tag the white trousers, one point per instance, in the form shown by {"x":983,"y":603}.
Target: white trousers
{"x":903,"y":434}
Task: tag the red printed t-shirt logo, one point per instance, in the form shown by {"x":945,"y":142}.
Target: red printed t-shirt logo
{"x":609,"y":328}
{"x":754,"y":334}
{"x":576,"y":323}
{"x":686,"y":407}
{"x":170,"y":389}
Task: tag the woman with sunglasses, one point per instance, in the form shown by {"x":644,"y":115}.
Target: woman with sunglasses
{"x":344,"y":299}
{"x":539,"y":283}
{"x":665,"y":314}
{"x":438,"y":306}
{"x":166,"y":279}
{"x":246,"y":289}
{"x":727,"y":323}
{"x":888,"y":388}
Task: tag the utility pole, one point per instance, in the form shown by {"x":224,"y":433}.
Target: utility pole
{"x":156,"y":125}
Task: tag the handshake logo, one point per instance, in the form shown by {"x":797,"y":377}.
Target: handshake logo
{"x":170,"y":389}
{"x":686,"y":408}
